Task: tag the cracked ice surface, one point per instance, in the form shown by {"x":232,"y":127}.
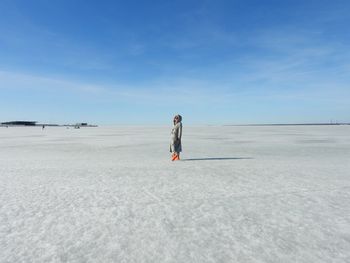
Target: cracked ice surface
{"x":111,"y":194}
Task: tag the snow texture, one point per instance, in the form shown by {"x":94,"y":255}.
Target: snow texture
{"x":111,"y":194}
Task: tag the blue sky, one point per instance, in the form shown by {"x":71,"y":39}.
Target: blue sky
{"x":141,"y":62}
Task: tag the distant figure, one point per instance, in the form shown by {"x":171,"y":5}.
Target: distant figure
{"x":176,"y":133}
{"x":43,"y":127}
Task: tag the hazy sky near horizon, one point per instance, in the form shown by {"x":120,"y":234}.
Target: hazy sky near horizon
{"x":141,"y":62}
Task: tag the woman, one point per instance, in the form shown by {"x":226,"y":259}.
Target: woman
{"x":176,"y":133}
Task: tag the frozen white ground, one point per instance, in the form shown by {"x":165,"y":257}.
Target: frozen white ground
{"x":240,"y":194}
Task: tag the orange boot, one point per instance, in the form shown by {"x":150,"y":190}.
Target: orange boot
{"x":177,"y":157}
{"x":173,"y":156}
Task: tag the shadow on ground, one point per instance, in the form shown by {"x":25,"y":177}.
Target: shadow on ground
{"x":217,"y":159}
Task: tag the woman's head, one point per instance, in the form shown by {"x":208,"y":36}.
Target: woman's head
{"x":177,"y":118}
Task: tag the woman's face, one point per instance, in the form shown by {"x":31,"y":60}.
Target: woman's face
{"x":176,"y":119}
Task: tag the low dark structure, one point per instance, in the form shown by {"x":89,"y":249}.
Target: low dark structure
{"x":19,"y":123}
{"x":43,"y":125}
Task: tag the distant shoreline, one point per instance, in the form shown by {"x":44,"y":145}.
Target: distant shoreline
{"x":43,"y":125}
{"x":34,"y":124}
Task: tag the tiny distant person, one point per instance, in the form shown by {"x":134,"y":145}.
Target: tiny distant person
{"x":176,"y":133}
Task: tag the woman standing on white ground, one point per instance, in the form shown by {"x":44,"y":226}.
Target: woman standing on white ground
{"x":176,"y":133}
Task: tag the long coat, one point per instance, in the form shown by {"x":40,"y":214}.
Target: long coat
{"x":176,"y":133}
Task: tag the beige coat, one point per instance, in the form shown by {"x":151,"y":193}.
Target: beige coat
{"x":176,"y":134}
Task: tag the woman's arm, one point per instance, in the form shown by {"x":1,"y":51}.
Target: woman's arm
{"x":179,"y":132}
